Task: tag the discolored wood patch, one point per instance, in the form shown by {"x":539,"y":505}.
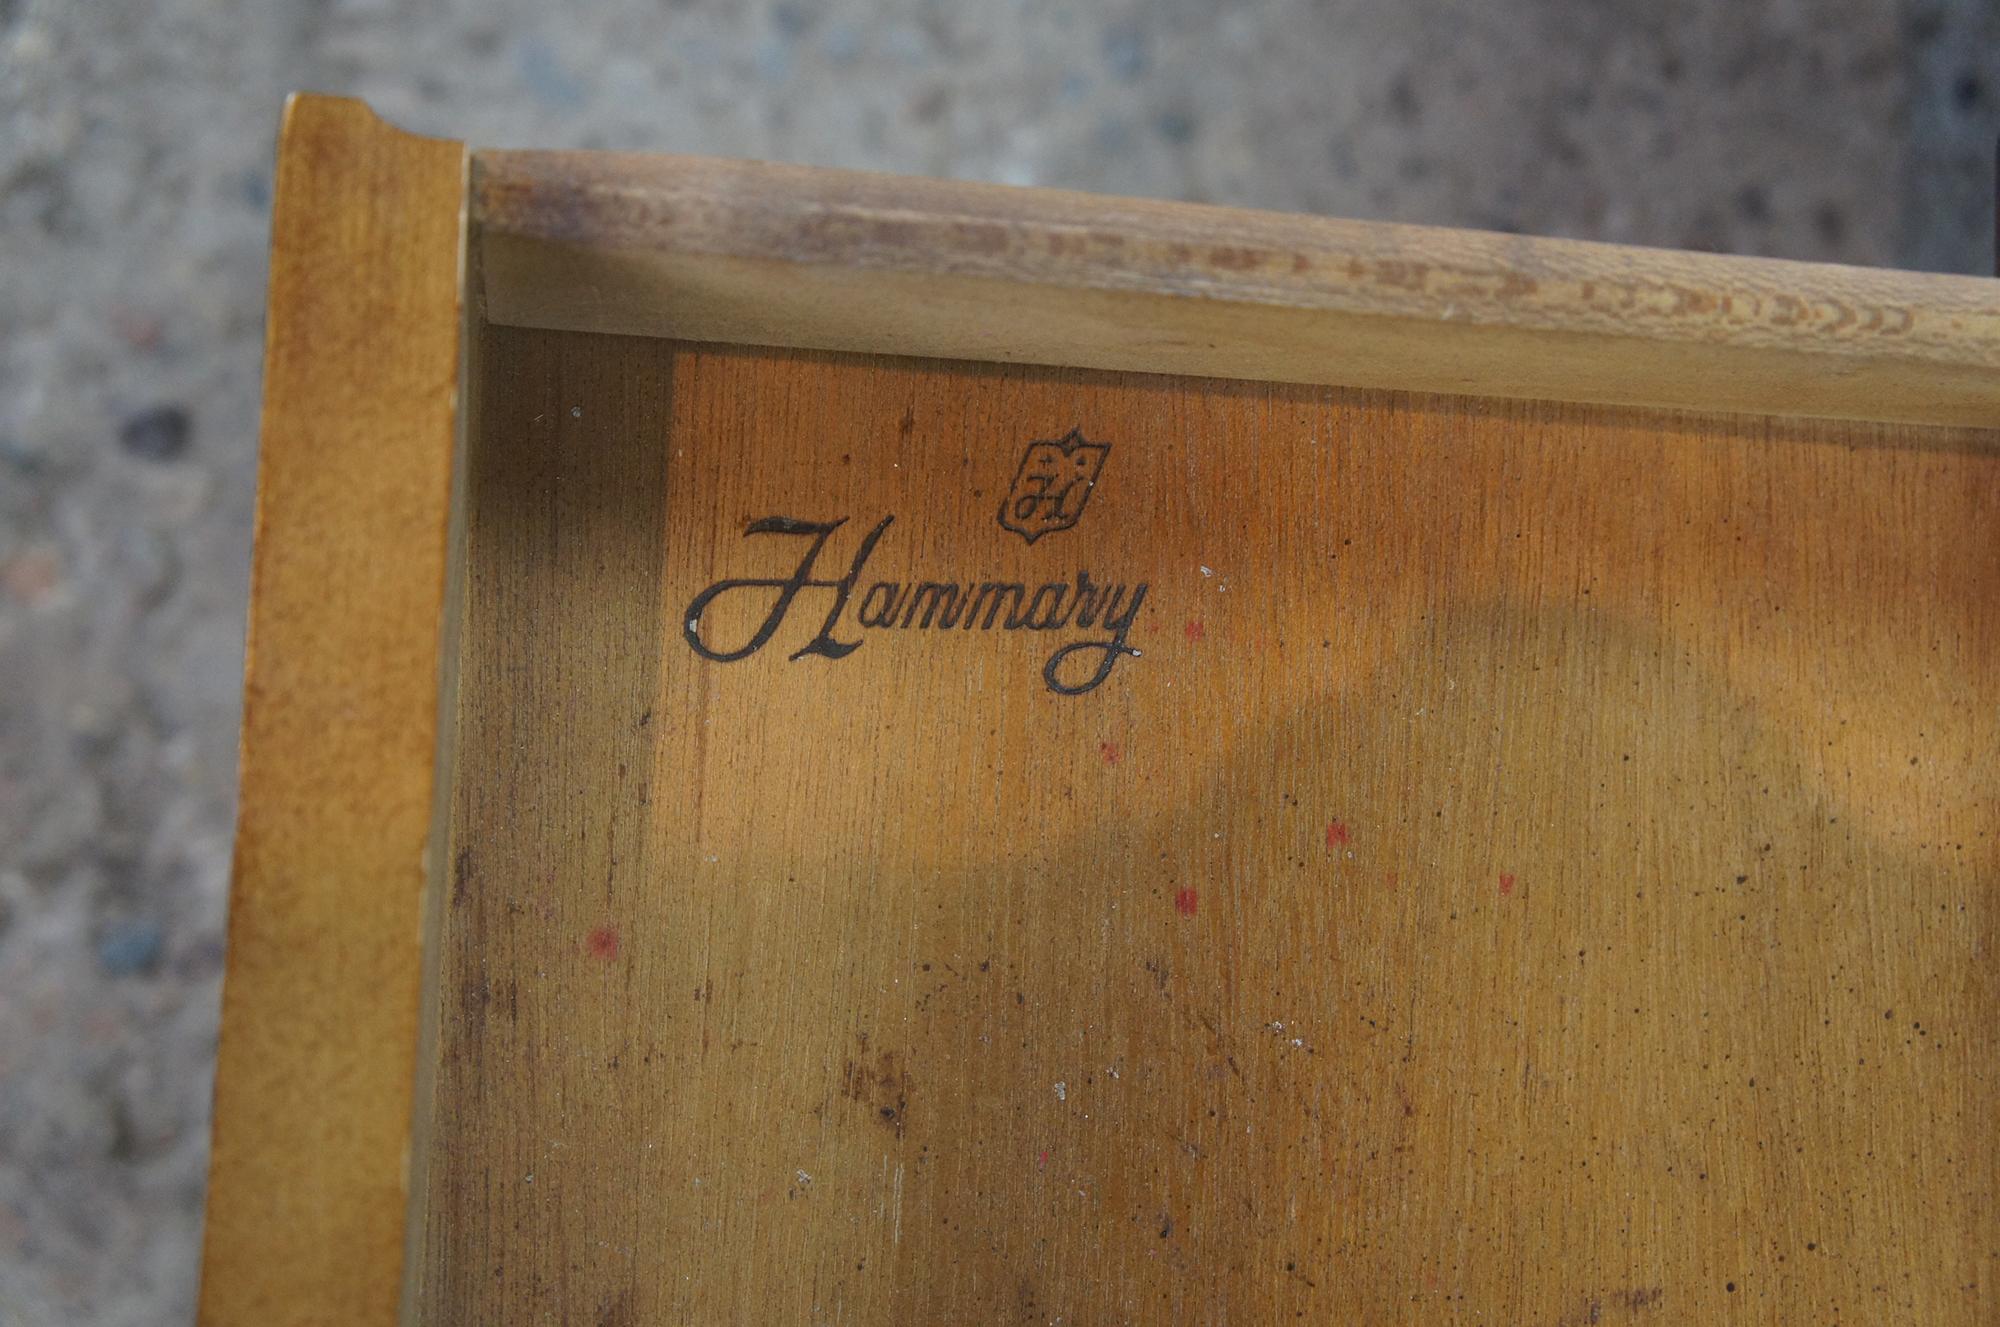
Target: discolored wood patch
{"x":1519,"y":862}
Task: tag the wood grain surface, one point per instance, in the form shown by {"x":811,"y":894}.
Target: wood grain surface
{"x":1538,"y":866}
{"x":307,"y":1187}
{"x":758,"y":253}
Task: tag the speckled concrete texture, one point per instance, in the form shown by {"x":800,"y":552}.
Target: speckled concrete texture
{"x":135,"y":183}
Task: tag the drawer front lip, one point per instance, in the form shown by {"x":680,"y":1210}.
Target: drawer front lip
{"x":760,"y":253}
{"x":308,"y":1180}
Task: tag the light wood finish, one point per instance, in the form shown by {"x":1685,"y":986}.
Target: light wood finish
{"x":792,"y":256}
{"x":320,"y":1003}
{"x":1542,"y":867}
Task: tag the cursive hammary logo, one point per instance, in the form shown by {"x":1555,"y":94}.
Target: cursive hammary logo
{"x":1086,"y":615}
{"x":1053,"y":484}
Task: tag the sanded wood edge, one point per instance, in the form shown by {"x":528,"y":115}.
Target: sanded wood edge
{"x":307,"y":1184}
{"x":767,"y":254}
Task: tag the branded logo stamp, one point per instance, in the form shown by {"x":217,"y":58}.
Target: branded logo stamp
{"x":1053,"y":484}
{"x":1095,"y":612}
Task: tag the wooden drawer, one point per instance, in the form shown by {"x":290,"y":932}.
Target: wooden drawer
{"x":832,"y":748}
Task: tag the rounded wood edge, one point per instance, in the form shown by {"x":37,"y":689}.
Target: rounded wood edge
{"x":1814,"y":338}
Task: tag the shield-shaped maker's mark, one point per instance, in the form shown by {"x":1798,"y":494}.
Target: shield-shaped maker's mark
{"x":1052,"y":485}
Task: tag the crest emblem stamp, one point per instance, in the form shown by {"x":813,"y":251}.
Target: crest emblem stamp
{"x":1053,"y":484}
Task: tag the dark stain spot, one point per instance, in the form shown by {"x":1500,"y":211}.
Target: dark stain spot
{"x":1593,"y":1309}
{"x":159,"y":434}
{"x":615,"y":1310}
{"x":602,"y":943}
{"x":1403,"y":103}
{"x":461,"y":877}
{"x":877,"y":1079}
{"x":1176,"y":126}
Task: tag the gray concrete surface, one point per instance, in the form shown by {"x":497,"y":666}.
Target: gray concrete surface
{"x":135,"y":182}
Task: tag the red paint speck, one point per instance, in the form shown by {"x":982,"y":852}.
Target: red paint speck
{"x":1110,"y":750}
{"x":1336,"y":835}
{"x":1506,"y":884}
{"x":602,"y":943}
{"x":1195,"y":630}
{"x":1043,"y":1162}
{"x":1186,"y":902}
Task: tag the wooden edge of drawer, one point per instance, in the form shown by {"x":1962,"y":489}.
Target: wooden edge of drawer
{"x":792,"y":256}
{"x":314,"y":1081}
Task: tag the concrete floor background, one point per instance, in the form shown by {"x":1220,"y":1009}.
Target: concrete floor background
{"x":135,"y":180}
